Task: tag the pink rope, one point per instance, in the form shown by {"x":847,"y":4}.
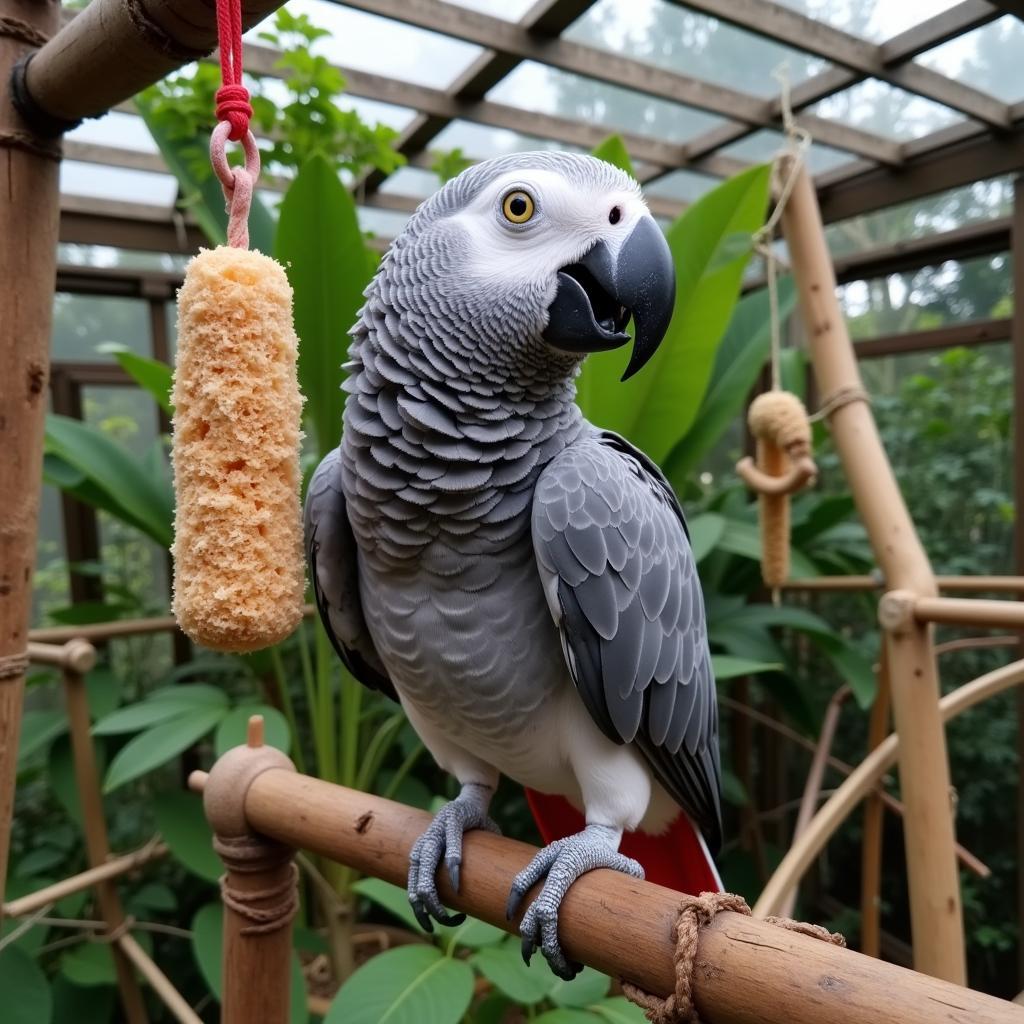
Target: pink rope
{"x":238,"y":182}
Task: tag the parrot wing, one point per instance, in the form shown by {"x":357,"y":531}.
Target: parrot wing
{"x":621,"y":580}
{"x":334,"y":569}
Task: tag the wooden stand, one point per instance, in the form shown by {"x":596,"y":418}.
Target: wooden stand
{"x":28,"y":253}
{"x":924,"y":770}
{"x":259,"y":889}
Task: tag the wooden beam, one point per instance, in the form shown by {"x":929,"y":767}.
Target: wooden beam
{"x":976,"y":332}
{"x":507,"y":38}
{"x":792,"y":28}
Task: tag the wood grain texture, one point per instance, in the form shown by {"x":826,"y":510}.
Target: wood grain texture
{"x":747,"y":971}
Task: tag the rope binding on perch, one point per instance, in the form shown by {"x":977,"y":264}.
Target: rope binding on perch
{"x":238,"y":562}
{"x":777,"y":419}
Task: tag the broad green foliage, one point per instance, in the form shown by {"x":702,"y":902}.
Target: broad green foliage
{"x":319,"y":242}
{"x":150,"y":374}
{"x":613,"y":151}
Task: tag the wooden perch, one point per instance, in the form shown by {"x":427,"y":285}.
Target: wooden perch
{"x":749,"y":971}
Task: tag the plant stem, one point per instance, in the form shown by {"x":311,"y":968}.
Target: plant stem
{"x":288,"y":706}
{"x":403,"y":770}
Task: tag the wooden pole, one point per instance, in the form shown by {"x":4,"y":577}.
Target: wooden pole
{"x":924,"y":771}
{"x":962,"y":611}
{"x":871,"y":846}
{"x":259,"y":889}
{"x":97,"y":844}
{"x":28,"y":251}
{"x":863,"y":780}
{"x":750,"y":971}
{"x":169,"y":995}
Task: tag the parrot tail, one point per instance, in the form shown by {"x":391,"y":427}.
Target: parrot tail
{"x":678,"y":859}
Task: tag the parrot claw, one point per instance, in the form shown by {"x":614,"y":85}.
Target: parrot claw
{"x":562,"y":861}
{"x":443,"y":840}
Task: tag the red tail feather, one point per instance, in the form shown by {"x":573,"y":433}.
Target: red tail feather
{"x":677,"y":859}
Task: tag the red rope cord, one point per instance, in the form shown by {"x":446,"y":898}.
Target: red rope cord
{"x":232,"y":97}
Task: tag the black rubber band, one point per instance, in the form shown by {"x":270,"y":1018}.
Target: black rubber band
{"x":41,"y":122}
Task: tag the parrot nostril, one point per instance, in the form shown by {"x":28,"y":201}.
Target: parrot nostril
{"x":615,"y":216}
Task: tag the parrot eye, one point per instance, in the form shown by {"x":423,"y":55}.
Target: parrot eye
{"x":517,"y":206}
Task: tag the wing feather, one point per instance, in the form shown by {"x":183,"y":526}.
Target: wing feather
{"x":611,"y":542}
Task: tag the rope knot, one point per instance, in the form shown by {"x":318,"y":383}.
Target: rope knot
{"x":234,"y":107}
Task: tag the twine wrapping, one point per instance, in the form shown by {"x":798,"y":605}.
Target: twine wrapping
{"x":249,"y":855}
{"x":695,"y":913}
{"x":13,"y":666}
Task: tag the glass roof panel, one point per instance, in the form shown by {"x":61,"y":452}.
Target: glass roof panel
{"x":71,"y":254}
{"x":877,"y":20}
{"x":116,"y":183}
{"x":372,"y":43}
{"x":371,"y":111}
{"x":479,"y":142}
{"x":763,"y":145}
{"x":690,"y":43}
{"x":115,"y":129}
{"x":987,"y":59}
{"x":684,"y":185}
{"x":412,"y":181}
{"x":545,"y":90}
{"x":878,"y":107}
{"x":382,"y":223}
{"x":509,"y":10}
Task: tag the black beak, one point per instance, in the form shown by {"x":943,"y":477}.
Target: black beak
{"x":597,"y":296}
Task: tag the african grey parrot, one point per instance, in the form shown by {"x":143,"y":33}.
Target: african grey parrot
{"x":519,"y":579}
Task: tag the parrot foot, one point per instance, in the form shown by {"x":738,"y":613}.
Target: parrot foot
{"x":563,"y":861}
{"x":443,"y":838}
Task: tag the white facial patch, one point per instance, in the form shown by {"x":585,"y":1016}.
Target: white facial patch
{"x":568,"y":219}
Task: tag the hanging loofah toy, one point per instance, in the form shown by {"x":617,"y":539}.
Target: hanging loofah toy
{"x":782,"y":430}
{"x":238,"y":563}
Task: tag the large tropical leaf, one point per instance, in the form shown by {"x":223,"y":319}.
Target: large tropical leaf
{"x":711,"y":245}
{"x":109,"y":475}
{"x":150,"y":374}
{"x":204,"y":198}
{"x":613,"y":151}
{"x":741,"y":355}
{"x":320,"y":244}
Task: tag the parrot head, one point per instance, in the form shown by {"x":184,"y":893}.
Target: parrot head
{"x":545,"y":248}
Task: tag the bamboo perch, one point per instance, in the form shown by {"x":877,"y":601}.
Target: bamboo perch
{"x":28,"y":252}
{"x":114,"y":868}
{"x":935,"y":909}
{"x":863,"y":780}
{"x":970,"y":584}
{"x":159,"y":982}
{"x":76,"y":655}
{"x":111,"y":50}
{"x":967,"y":612}
{"x":751,"y":972}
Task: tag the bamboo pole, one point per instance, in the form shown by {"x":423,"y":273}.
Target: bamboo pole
{"x":113,"y":868}
{"x":936,"y":915}
{"x":28,"y":251}
{"x":815,"y":779}
{"x":968,"y":584}
{"x":864,"y":778}
{"x":161,"y":985}
{"x":871,"y":846}
{"x":111,"y":50}
{"x":96,"y":842}
{"x":959,"y":611}
{"x":750,"y":971}
{"x":77,"y":655}
{"x":259,"y":889}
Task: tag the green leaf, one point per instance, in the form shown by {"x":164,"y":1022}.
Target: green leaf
{"x":205,"y":196}
{"x":140,"y":716}
{"x":92,"y":963}
{"x":233,"y":726}
{"x":111,"y":472}
{"x":744,"y":539}
{"x":26,"y":992}
{"x":725,"y":666}
{"x":392,"y":899}
{"x":493,"y":1009}
{"x":613,"y":151}
{"x":153,"y":896}
{"x":150,"y":374}
{"x":503,"y":967}
{"x":103,"y":688}
{"x":474,"y":934}
{"x":741,"y":354}
{"x":195,"y":693}
{"x":414,"y":984}
{"x":73,"y":1004}
{"x":320,"y":244}
{"x":705,"y":531}
{"x":565,"y":1016}
{"x":182,"y":824}
{"x":38,"y":730}
{"x":208,"y":952}
{"x":156,"y":746}
{"x":619,"y":1010}
{"x":655,"y":408}
{"x":38,"y":861}
{"x":587,"y":987}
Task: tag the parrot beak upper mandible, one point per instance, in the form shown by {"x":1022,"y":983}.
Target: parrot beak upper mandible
{"x":597,"y":296}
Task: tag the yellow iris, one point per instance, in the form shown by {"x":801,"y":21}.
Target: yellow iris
{"x":517,"y":206}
